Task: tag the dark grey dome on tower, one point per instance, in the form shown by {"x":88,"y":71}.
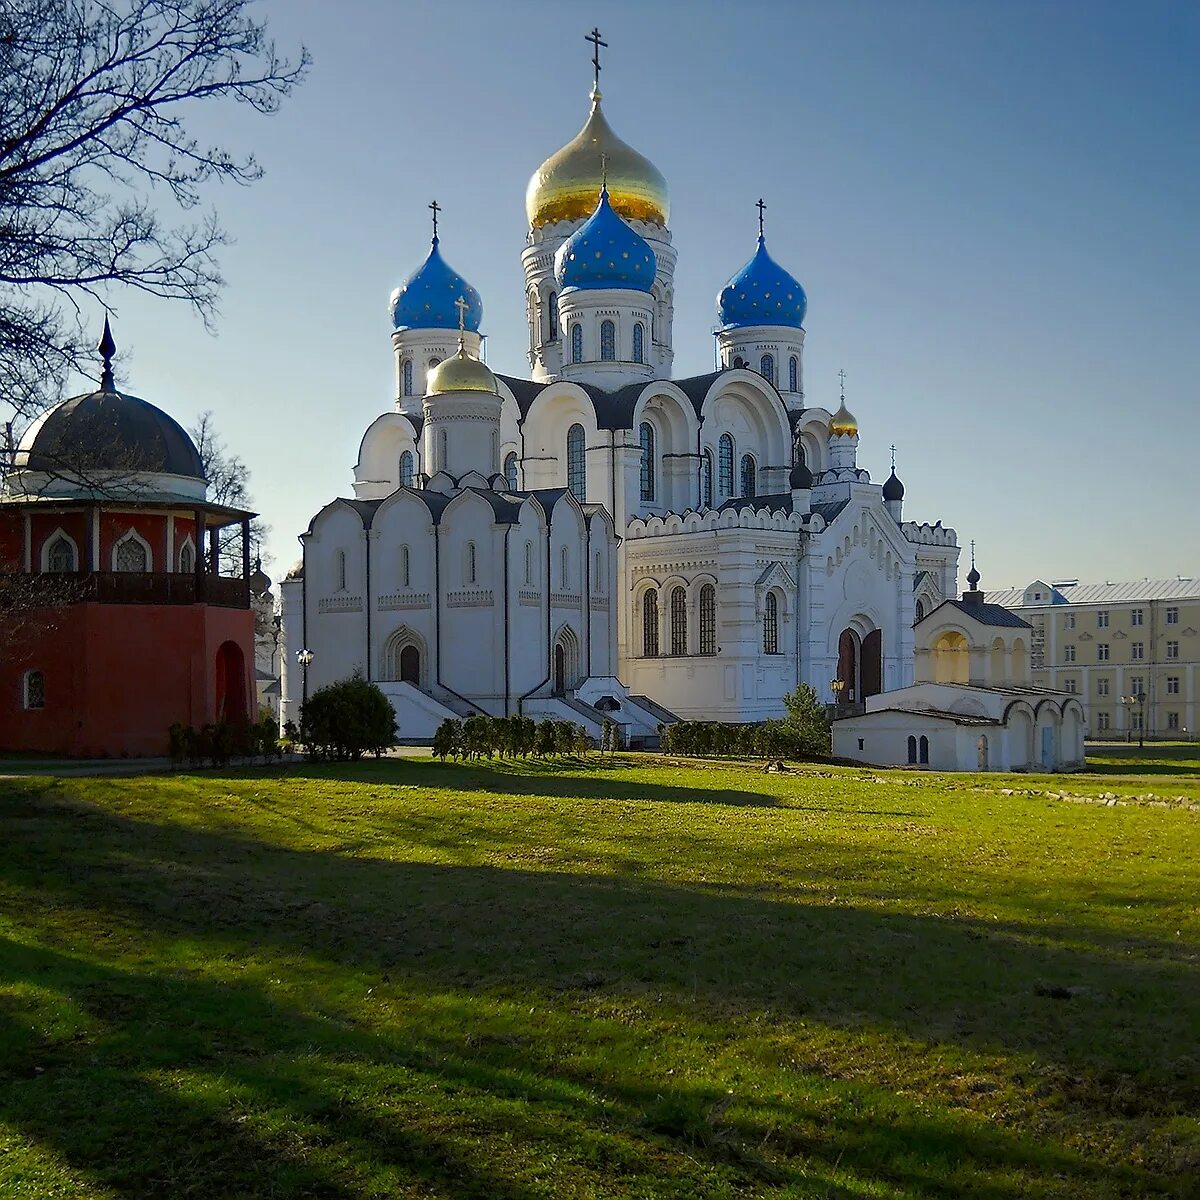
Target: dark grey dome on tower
{"x":893,"y":489}
{"x":108,"y":431}
{"x":800,"y":478}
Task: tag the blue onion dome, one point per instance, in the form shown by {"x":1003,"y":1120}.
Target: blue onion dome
{"x":425,"y":300}
{"x":762,"y":293}
{"x":893,"y":489}
{"x":604,"y":252}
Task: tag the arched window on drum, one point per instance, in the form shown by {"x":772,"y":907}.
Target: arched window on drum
{"x":766,"y":367}
{"x":639,"y":343}
{"x":793,"y":374}
{"x":577,"y":343}
{"x":577,"y":463}
{"x":608,"y":341}
{"x":510,"y":471}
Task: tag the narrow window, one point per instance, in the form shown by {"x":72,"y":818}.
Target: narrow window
{"x":552,"y":316}
{"x":405,"y":574}
{"x":442,"y":450}
{"x":678,"y":621}
{"x":131,"y":554}
{"x":408,"y":377}
{"x":706,"y":480}
{"x":639,"y":343}
{"x":646,"y":437}
{"x":725,"y":466}
{"x":793,"y":374}
{"x":650,"y":623}
{"x":564,"y":568}
{"x":749,"y":476}
{"x":766,"y":367}
{"x":406,"y":469}
{"x":771,"y":625}
{"x":924,"y":750}
{"x":35,"y":689}
{"x":576,"y":343}
{"x":920,"y":611}
{"x":608,"y":341}
{"x":510,"y":471}
{"x":187,"y":558}
{"x":470,"y":564}
{"x":598,"y":575}
{"x":576,"y":463}
{"x":912,"y":749}
{"x":528,"y":563}
{"x":60,"y":555}
{"x":341,"y":570}
{"x":708,"y":619}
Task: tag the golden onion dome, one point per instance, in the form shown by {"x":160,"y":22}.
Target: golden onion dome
{"x":460,"y":373}
{"x":843,"y":423}
{"x":565,"y":186}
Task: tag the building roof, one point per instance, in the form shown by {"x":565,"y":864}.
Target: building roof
{"x":983,"y":613}
{"x":1104,"y":593}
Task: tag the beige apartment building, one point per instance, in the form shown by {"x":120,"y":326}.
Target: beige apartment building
{"x":1130,"y":651}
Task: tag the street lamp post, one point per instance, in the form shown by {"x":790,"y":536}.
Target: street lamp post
{"x":1127,"y":703}
{"x":837,"y":687}
{"x":304,"y":658}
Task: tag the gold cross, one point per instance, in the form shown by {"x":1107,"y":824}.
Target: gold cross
{"x":594,"y":38}
{"x":842,"y":379}
{"x":462,"y":306}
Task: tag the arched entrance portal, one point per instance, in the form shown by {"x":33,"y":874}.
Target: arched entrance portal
{"x":230,"y":683}
{"x":871,"y":671}
{"x":565,"y":660}
{"x":847,"y":670}
{"x":860,"y":665}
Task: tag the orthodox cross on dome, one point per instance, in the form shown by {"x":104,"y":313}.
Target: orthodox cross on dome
{"x":893,"y":449}
{"x":972,"y":554}
{"x":107,"y":347}
{"x":842,"y":381}
{"x":435,"y":208}
{"x":604,"y":171}
{"x":761,"y":208}
{"x":594,"y":38}
{"x":462,"y":306}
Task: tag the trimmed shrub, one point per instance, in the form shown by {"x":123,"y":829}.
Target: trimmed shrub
{"x":347,"y":720}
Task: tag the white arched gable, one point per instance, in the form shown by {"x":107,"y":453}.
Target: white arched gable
{"x":744,"y":404}
{"x":377,"y":471}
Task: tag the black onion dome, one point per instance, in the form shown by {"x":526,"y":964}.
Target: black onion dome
{"x":893,"y":489}
{"x":800,"y":478}
{"x":108,"y":431}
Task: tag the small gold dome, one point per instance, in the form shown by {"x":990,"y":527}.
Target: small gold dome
{"x":460,"y":373}
{"x":565,"y":186}
{"x":843,"y":422}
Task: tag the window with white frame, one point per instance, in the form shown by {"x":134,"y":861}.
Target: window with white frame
{"x":187,"y":558}
{"x":1102,"y":721}
{"x":1101,"y":687}
{"x":61,"y":555}
{"x":1102,"y":652}
{"x":1172,"y":616}
{"x":1137,"y":651}
{"x":131,"y":553}
{"x":1102,"y":618}
{"x":1172,"y":720}
{"x":1135,"y":616}
{"x":1069,"y":685}
{"x":1172,"y":649}
{"x":1070,"y":620}
{"x":1172,"y":685}
{"x":1135,"y":685}
{"x":33,"y":689}
{"x":1069,"y":654}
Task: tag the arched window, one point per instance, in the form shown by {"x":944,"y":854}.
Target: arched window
{"x":340,"y":570}
{"x":433,"y":362}
{"x":608,"y":341}
{"x":564,"y":568}
{"x":650,"y":623}
{"x":912,"y":749}
{"x":725,"y":466}
{"x":639,"y":343}
{"x":576,"y":343}
{"x":924,"y":755}
{"x":60,"y":555}
{"x":469,"y":564}
{"x":771,"y":624}
{"x":408,"y":377}
{"x":920,"y":611}
{"x":678,"y":621}
{"x":706,"y":479}
{"x":406,"y":469}
{"x":529,"y":562}
{"x":576,"y":463}
{"x":708,"y":619}
{"x":131,"y":554}
{"x":793,"y":374}
{"x":766,"y":367}
{"x":646,"y":438}
{"x":34,"y":689}
{"x":441,"y":450}
{"x":552,"y":316}
{"x":187,"y":558}
{"x":749,"y":475}
{"x":510,"y":470}
{"x":405,"y":568}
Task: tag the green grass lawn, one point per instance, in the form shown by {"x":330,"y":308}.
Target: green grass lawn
{"x":403,"y":979}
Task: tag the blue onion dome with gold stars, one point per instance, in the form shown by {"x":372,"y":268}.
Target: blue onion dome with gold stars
{"x":426,"y":299}
{"x":605,"y":252}
{"x":762,"y":293}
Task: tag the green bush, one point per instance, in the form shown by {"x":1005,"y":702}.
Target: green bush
{"x":347,"y":720}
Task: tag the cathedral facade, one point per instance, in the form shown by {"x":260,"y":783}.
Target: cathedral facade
{"x":601,"y":538}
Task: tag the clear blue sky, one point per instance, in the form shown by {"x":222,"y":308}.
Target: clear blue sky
{"x":993,"y":208}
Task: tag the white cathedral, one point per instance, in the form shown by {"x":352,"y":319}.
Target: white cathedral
{"x":602,"y":540}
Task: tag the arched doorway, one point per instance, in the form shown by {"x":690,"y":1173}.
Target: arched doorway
{"x":230,"y":683}
{"x":871,"y":670}
{"x":565,"y":660}
{"x":981,"y":752}
{"x":410,"y":665}
{"x":847,"y":671}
